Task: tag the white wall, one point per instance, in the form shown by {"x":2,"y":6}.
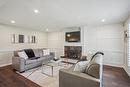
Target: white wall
{"x":7,"y":48}
{"x":107,"y":38}
{"x":56,"y":42}
{"x":127,"y":25}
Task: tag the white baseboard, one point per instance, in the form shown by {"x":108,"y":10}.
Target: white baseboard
{"x":127,"y":70}
{"x":115,"y":65}
{"x":5,"y":64}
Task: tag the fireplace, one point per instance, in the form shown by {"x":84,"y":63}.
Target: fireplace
{"x":73,"y":52}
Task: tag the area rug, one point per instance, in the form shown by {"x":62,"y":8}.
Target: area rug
{"x":45,"y":80}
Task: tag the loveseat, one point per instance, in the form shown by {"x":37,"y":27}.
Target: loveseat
{"x":21,"y":64}
{"x":91,"y":77}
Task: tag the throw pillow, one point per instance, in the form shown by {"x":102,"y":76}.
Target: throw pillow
{"x":93,"y":68}
{"x":22,"y":54}
{"x":36,"y":52}
{"x":29,"y":53}
{"x":81,"y":66}
{"x":89,"y":55}
{"x":46,"y":52}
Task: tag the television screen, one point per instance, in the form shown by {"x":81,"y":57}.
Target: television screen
{"x":73,"y":36}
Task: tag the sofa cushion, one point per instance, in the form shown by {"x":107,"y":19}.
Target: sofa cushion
{"x":81,"y":66}
{"x":36,"y":52}
{"x":22,"y":54}
{"x":16,"y":53}
{"x":93,"y":67}
{"x":29,"y":53}
{"x":30,"y":61}
{"x":33,"y":58}
{"x":94,"y":70}
{"x":46,"y":58}
{"x":41,"y":59}
{"x":40,"y":52}
{"x":46,"y":52}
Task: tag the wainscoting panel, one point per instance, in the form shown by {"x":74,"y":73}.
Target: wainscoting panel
{"x":5,"y":57}
{"x":109,"y":39}
{"x":114,"y":58}
{"x":106,"y":38}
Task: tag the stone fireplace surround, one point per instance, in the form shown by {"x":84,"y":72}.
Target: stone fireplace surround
{"x":73,"y":52}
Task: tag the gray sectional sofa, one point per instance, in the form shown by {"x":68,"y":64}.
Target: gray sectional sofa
{"x":21,"y":65}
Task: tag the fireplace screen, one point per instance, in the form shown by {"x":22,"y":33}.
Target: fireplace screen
{"x":73,"y":52}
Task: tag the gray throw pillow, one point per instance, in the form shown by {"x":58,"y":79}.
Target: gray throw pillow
{"x":93,"y":70}
{"x":81,"y":66}
{"x":36,"y":52}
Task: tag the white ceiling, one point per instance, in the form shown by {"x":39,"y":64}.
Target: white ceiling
{"x":58,"y":14}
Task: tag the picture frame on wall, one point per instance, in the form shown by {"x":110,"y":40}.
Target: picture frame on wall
{"x":32,"y":39}
{"x":17,"y":38}
{"x":20,"y":38}
{"x":13,"y":38}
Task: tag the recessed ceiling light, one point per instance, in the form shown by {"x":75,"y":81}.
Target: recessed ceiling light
{"x":12,"y":21}
{"x":103,"y":20}
{"x":47,"y":29}
{"x":36,"y":11}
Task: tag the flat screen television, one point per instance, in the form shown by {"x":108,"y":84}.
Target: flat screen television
{"x":72,"y":36}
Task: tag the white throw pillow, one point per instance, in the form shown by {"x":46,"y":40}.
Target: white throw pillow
{"x":81,"y":66}
{"x":22,"y":54}
{"x":89,"y":55}
{"x":46,"y":52}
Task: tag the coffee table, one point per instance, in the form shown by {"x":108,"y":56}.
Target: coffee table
{"x":52,"y":64}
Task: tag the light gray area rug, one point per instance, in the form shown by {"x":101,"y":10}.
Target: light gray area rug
{"x":45,"y":80}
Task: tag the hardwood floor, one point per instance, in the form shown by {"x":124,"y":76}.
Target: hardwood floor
{"x":115,"y":77}
{"x":112,"y":77}
{"x":8,"y":78}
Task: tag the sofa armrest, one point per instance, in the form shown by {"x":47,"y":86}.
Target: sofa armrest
{"x":69,"y":78}
{"x":18,"y":63}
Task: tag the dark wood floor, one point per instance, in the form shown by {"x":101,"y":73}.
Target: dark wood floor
{"x":115,"y":77}
{"x":8,"y":78}
{"x":112,"y":77}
